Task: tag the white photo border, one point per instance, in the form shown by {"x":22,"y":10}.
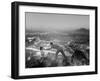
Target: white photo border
{"x":54,"y":70}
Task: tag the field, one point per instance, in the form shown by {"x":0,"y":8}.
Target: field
{"x":70,"y":41}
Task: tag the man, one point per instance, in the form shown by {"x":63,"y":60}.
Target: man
{"x":60,"y":49}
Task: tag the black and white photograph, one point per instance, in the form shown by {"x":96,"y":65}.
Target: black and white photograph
{"x":51,"y":40}
{"x":56,"y":40}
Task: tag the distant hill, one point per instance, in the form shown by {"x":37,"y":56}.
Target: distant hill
{"x":82,"y":30}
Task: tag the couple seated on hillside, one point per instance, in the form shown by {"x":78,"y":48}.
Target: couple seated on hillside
{"x":59,"y":49}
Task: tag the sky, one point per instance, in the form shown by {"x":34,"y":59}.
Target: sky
{"x":55,"y":22}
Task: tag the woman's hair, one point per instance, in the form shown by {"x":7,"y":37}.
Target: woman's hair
{"x":51,"y":43}
{"x":41,"y":48}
